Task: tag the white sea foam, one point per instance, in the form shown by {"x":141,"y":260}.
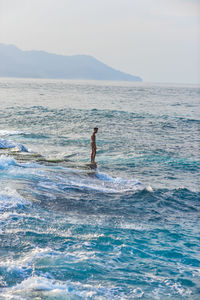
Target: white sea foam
{"x":10,"y":198}
{"x":165,"y":282}
{"x":149,"y":189}
{"x":6,"y":215}
{"x":27,"y":261}
{"x":15,"y":169}
{"x":9,"y":132}
{"x":40,"y":286}
{"x":106,"y":183}
{"x":118,"y":180}
{"x":40,"y":258}
{"x":19,"y":148}
{"x":132,"y":226}
{"x":103,"y":176}
{"x":105,"y":187}
{"x":101,"y":182}
{"x":48,"y":288}
{"x":5,"y":144}
{"x":6,"y":162}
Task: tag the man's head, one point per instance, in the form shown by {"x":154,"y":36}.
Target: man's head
{"x":95,"y":129}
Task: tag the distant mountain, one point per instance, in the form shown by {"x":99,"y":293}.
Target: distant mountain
{"x":39,"y":64}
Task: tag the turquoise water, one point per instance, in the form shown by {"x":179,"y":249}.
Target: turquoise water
{"x":129,"y":229}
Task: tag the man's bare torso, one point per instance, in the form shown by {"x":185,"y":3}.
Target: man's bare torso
{"x":93,"y":141}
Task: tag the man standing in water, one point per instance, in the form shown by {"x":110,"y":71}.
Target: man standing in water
{"x":93,"y":145}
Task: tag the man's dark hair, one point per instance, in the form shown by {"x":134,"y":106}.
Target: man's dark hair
{"x":95,"y":128}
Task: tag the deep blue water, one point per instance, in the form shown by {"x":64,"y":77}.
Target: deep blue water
{"x":128,"y":230}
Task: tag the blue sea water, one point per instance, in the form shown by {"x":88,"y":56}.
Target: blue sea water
{"x":129,"y":229}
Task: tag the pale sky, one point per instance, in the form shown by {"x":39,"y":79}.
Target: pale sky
{"x":158,"y":40}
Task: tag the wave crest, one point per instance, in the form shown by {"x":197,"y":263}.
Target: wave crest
{"x":5,"y":144}
{"x":6,"y":162}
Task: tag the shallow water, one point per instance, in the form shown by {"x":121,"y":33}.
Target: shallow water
{"x":129,"y":229}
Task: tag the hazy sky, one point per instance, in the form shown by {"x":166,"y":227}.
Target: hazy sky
{"x":158,"y":40}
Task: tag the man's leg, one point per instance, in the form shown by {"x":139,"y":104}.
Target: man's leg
{"x":93,"y":155}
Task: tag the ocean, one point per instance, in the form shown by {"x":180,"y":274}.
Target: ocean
{"x":129,"y":229}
